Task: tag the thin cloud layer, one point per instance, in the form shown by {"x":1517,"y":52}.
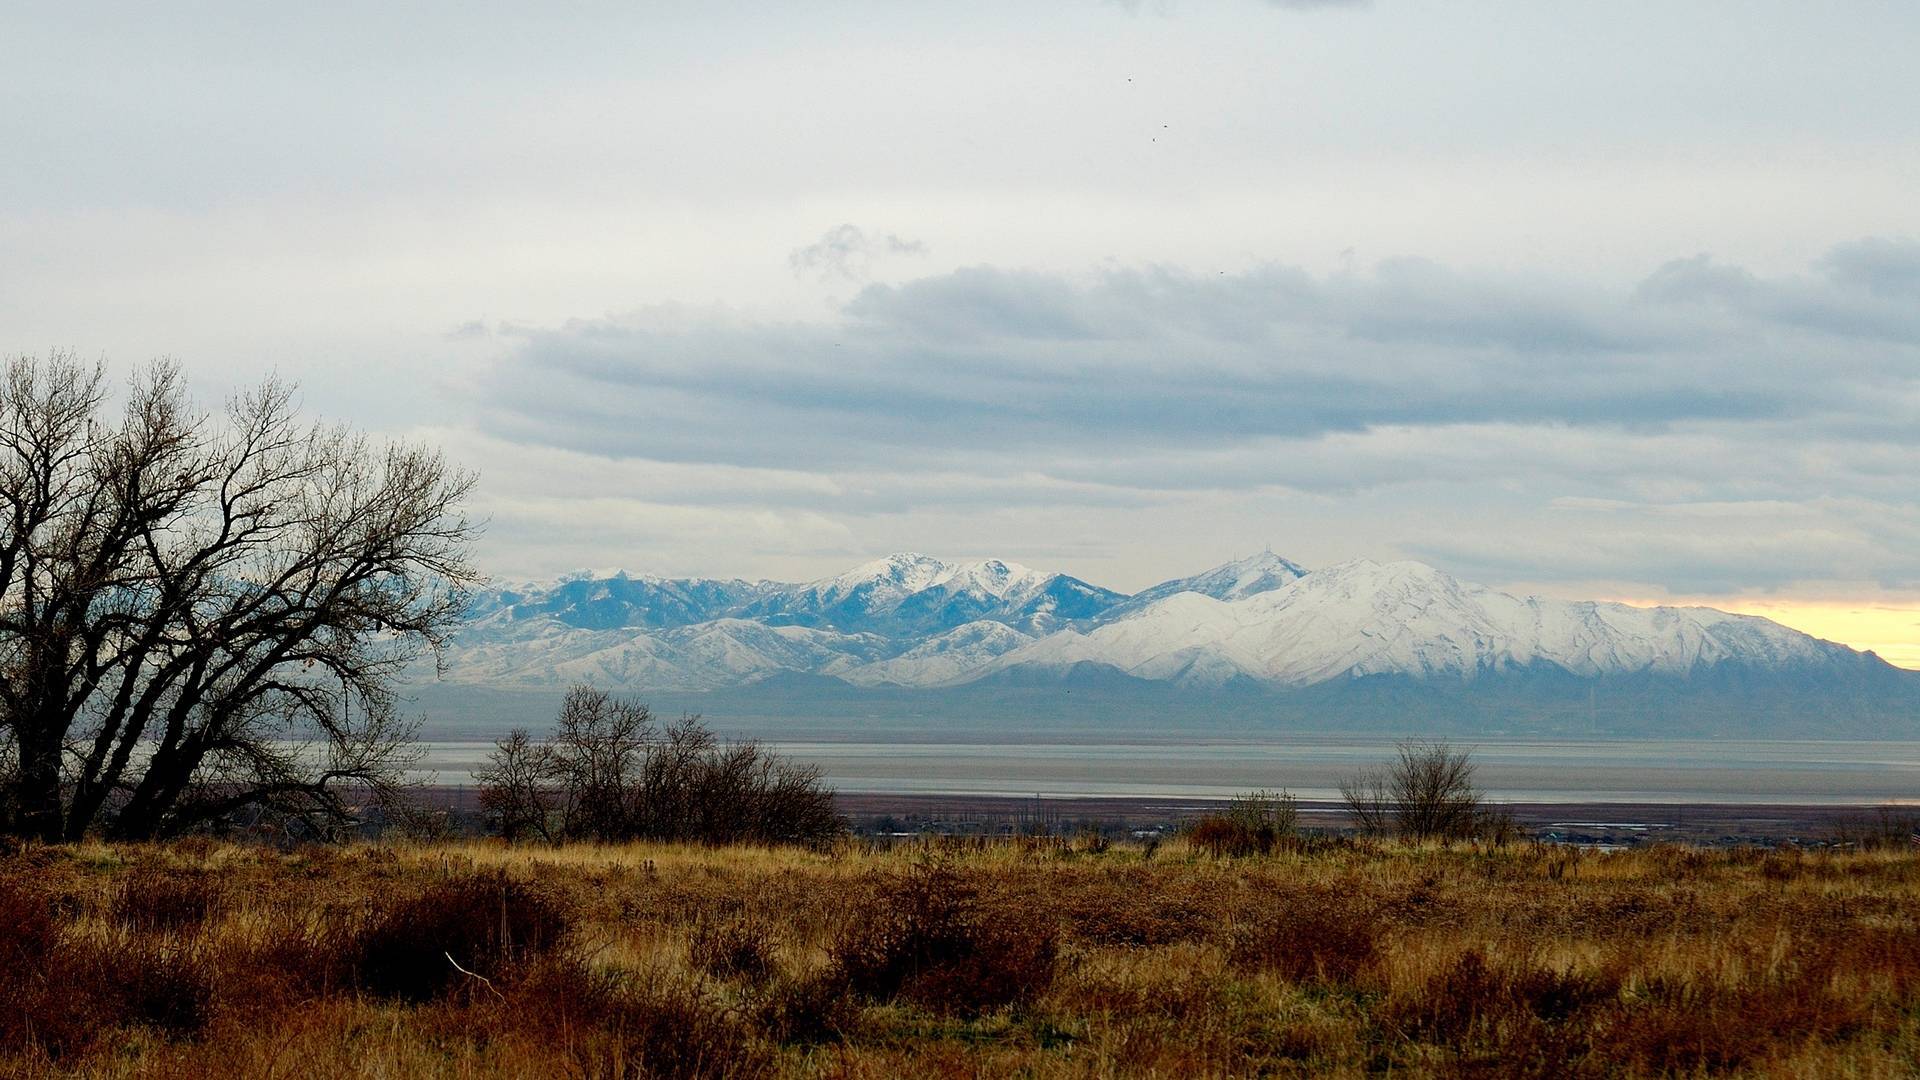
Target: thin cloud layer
{"x":983,"y":360}
{"x":1395,"y":391}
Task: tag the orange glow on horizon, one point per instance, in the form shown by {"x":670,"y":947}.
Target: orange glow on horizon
{"x":1891,"y":629}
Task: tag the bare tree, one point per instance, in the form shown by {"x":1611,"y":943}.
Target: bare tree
{"x":1427,"y":793}
{"x":611,"y":773}
{"x":599,"y":748}
{"x":519,"y":787}
{"x":1433,"y":791}
{"x":202,"y":616}
{"x":1369,"y":798}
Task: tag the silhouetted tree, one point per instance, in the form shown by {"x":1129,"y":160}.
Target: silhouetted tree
{"x":600,"y":744}
{"x":610,"y":772}
{"x":517,"y":787}
{"x":201,"y":617}
{"x":1369,"y":799}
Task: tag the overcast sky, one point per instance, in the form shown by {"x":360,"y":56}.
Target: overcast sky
{"x":1590,"y":299}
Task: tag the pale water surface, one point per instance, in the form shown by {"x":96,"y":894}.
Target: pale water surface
{"x":1755,"y":772}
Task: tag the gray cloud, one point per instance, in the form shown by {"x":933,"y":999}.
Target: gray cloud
{"x":1705,"y":547}
{"x":1863,"y":289}
{"x":847,"y":253}
{"x":1134,"y":7}
{"x":1884,"y":267}
{"x":1717,"y":425}
{"x":328,"y":190}
{"x":989,"y":360}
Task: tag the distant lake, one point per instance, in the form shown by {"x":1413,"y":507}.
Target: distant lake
{"x":1718,"y":771}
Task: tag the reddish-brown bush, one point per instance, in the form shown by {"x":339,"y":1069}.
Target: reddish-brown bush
{"x":1306,"y":938}
{"x":151,"y":900}
{"x":61,"y":994}
{"x":1223,"y":836}
{"x":927,"y":939}
{"x":28,"y":928}
{"x":596,"y":1025}
{"x":1129,"y":908}
{"x":1474,"y":999}
{"x":488,"y":924}
{"x":1672,"y":1027}
{"x":734,"y":948}
{"x":806,"y":1010}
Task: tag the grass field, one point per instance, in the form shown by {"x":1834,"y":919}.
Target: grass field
{"x":1029,"y":958}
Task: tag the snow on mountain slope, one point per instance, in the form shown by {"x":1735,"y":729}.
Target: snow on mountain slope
{"x":915,"y":621}
{"x":943,"y":659}
{"x":705,"y":656}
{"x":912,"y":593}
{"x":592,"y":603}
{"x":1404,"y":618}
{"x":905,"y":594}
{"x":887,"y":581}
{"x":1236,"y":580}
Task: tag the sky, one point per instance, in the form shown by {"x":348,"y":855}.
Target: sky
{"x":1588,"y":300}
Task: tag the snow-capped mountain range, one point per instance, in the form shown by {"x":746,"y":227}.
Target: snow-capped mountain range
{"x":914,"y":621}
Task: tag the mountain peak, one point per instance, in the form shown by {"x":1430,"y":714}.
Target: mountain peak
{"x":1263,"y":560}
{"x":1391,"y":570}
{"x":898,"y":566}
{"x":1235,"y":580}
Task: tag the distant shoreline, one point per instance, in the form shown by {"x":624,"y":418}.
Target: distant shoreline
{"x":1597,"y":822}
{"x":1694,"y":822}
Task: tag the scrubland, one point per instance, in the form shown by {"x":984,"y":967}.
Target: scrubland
{"x":1037,"y":957}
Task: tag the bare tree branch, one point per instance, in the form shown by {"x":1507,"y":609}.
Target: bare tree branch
{"x":201,"y":615}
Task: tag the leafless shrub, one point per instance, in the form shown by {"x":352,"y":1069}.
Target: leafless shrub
{"x":1887,"y":827}
{"x":517,"y":788}
{"x":1253,"y":824}
{"x":1368,"y":796}
{"x":610,"y":772}
{"x":1427,"y":793}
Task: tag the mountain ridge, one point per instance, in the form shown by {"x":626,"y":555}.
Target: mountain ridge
{"x":1262,"y":623}
{"x":1405,"y":618}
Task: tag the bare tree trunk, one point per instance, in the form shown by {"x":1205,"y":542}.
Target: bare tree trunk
{"x":36,"y":795}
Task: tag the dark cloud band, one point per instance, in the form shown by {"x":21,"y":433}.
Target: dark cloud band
{"x":981,"y":359}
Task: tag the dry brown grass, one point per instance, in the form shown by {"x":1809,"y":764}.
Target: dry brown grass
{"x":1049,"y":960}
